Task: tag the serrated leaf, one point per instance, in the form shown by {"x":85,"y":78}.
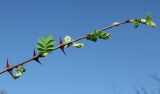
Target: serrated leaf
{"x":48,"y":39}
{"x":41,"y":41}
{"x":49,"y":47}
{"x":51,"y":42}
{"x":45,"y":44}
{"x":49,"y":50}
{"x":40,"y":45}
{"x":41,"y":50}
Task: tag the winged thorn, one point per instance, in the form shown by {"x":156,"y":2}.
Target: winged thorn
{"x":36,"y":59}
{"x":62,"y":47}
{"x":10,"y":70}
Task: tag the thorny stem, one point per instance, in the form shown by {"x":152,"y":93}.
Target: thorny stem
{"x":62,"y":45}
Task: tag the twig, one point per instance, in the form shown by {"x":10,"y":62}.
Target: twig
{"x":37,"y":56}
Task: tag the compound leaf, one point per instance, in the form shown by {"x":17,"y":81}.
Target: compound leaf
{"x":45,"y":44}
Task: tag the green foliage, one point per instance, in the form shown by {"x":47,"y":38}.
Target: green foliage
{"x":104,"y":36}
{"x":147,"y":21}
{"x":136,"y":22}
{"x":21,"y":69}
{"x":97,"y":34}
{"x":67,"y":39}
{"x":45,"y":45}
{"x":74,"y":44}
{"x":151,"y":24}
{"x":149,"y":16}
{"x":77,"y":45}
{"x":91,"y":37}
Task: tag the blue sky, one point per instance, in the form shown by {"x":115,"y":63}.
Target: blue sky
{"x":107,"y":67}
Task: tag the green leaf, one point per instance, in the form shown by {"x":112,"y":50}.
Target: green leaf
{"x":41,"y":50}
{"x":105,"y":36}
{"x":17,"y":75}
{"x":77,"y":45}
{"x":94,"y":39}
{"x":21,"y":69}
{"x":45,"y":44}
{"x":148,"y":21}
{"x":41,"y":46}
{"x":136,"y":22}
{"x":149,"y":17}
{"x":151,"y":24}
{"x":97,"y":33}
{"x":51,"y":42}
{"x":91,"y":37}
{"x":49,"y":47}
{"x":48,"y":39}
{"x":42,"y":41}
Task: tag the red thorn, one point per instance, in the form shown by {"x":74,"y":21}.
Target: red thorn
{"x":10,"y":70}
{"x":7,"y":65}
{"x":60,"y":40}
{"x":34,"y":53}
{"x":36,"y":59}
{"x":62,"y":47}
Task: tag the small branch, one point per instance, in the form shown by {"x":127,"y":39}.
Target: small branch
{"x":36,"y":57}
{"x":16,"y":65}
